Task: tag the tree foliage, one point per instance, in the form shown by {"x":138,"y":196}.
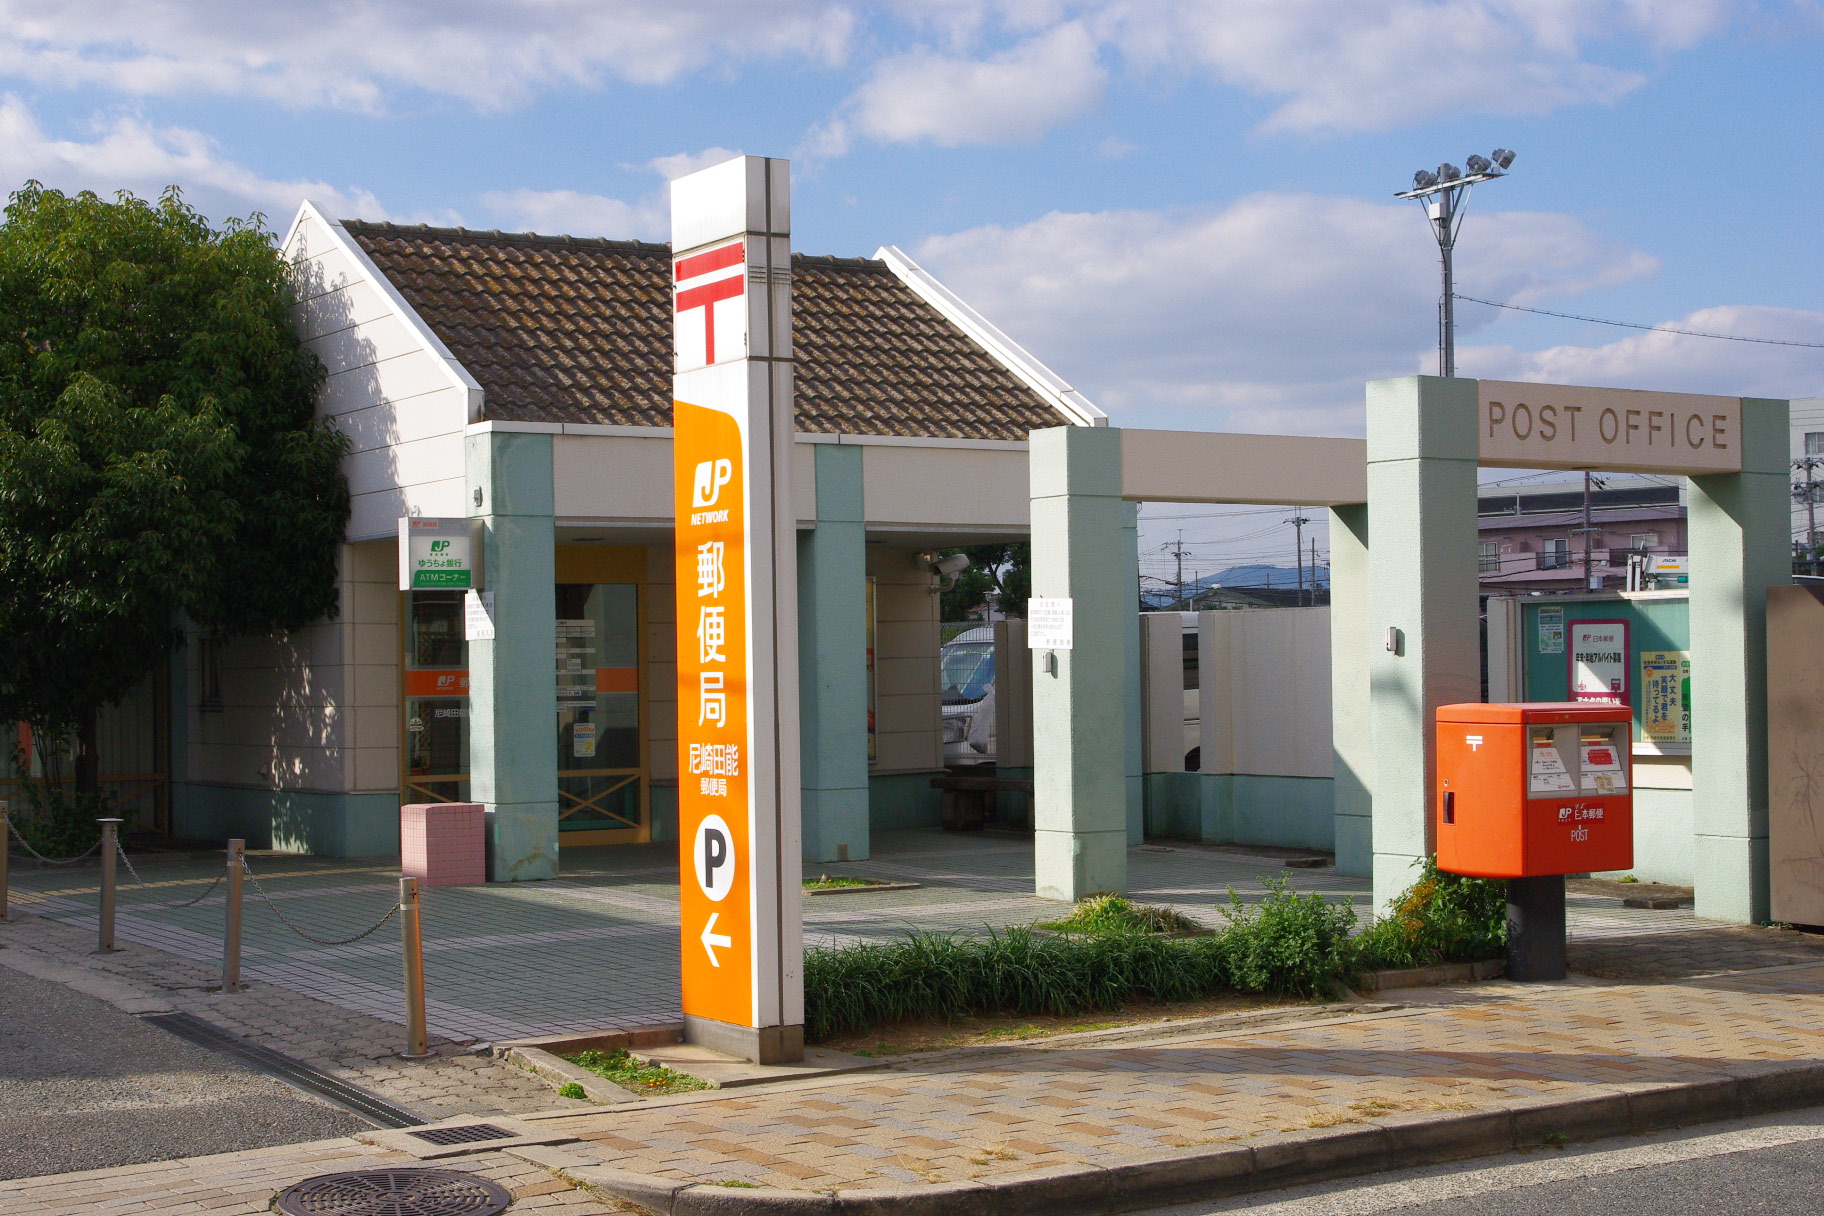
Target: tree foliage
{"x":997,"y":574}
{"x":158,"y":451}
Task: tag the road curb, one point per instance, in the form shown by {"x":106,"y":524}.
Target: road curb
{"x":1262,"y":1163}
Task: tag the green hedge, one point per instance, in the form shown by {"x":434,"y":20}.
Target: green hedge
{"x":1289,"y":944}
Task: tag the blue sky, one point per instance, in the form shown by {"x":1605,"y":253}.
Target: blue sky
{"x":1184,"y":206}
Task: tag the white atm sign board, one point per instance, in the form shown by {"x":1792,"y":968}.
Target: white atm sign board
{"x":436,"y":554}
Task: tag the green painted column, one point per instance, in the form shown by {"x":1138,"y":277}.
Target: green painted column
{"x":1740,"y":526}
{"x":1350,"y":696}
{"x":1081,"y":552}
{"x":1421,"y":585}
{"x":1130,"y":642}
{"x":512,"y":679}
{"x":833,"y":661}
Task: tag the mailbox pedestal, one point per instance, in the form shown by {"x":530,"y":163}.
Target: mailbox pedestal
{"x":1530,"y":793}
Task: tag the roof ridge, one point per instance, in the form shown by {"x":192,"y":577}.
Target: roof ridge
{"x":495,"y":234}
{"x":598,"y":242}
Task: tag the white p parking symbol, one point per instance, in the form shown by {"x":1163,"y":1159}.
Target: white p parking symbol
{"x":713,"y":854}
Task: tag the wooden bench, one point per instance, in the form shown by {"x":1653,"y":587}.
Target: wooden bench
{"x":969,"y":801}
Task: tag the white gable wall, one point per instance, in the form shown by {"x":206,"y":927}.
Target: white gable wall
{"x":393,"y":388}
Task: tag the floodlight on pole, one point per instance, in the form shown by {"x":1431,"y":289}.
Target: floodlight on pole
{"x":1444,"y":194}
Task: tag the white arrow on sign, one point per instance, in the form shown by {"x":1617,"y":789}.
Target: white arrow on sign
{"x":712,"y":939}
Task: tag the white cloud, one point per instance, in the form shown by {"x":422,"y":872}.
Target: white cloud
{"x":1669,"y":362}
{"x":1012,"y":97}
{"x":1268,"y":314}
{"x":575,"y":213}
{"x":128,"y":153}
{"x":1359,"y":65}
{"x":353,"y":53}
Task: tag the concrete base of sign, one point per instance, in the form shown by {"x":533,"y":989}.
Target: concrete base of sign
{"x":762,"y":1045}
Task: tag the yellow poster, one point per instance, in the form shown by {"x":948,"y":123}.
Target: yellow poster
{"x":1665,"y":696}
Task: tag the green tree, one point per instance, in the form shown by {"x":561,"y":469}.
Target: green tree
{"x":1001,"y":574}
{"x":159,"y":455}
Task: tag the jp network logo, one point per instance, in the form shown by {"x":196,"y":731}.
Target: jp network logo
{"x":711,"y":476}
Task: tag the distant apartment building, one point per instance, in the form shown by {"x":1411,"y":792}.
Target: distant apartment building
{"x":1532,"y":539}
{"x":1807,"y":475}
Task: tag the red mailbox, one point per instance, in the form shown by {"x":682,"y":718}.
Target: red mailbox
{"x":1534,"y":789}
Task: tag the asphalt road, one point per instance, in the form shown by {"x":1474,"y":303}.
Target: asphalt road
{"x":1773,"y":1164}
{"x":85,"y":1086}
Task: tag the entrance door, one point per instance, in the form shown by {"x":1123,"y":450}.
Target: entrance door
{"x":601,"y":774}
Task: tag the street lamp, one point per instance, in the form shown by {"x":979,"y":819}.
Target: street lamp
{"x":1444,"y":194}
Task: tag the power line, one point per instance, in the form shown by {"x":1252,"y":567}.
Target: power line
{"x":1658,"y":329}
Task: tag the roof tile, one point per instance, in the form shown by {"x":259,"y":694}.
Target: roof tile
{"x":565,"y":329}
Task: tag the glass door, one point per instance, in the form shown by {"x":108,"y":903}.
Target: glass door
{"x":601,"y":774}
{"x":436,"y":701}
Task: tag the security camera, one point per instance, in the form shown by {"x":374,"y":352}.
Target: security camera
{"x":950,"y":566}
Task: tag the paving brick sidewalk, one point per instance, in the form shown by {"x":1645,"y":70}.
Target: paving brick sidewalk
{"x":246,"y":1183}
{"x":983,"y":1112}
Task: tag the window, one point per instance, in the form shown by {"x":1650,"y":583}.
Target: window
{"x":1643,"y":540}
{"x":1555,"y":555}
{"x":209,"y":673}
{"x":1814,"y":443}
{"x":1490,"y":560}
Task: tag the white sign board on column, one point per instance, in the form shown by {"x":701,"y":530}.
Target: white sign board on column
{"x":735,"y":541}
{"x":1049,"y":624}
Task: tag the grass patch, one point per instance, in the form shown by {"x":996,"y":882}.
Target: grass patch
{"x":649,"y":1079}
{"x":742,"y":1183}
{"x":823,"y":882}
{"x":572,"y":1090}
{"x":1107,"y":913}
{"x":1289,"y":945}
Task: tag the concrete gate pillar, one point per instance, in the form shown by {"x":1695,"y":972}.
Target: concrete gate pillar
{"x":1739,"y":532}
{"x":1351,"y":700}
{"x":1130,"y":644}
{"x":512,"y":679}
{"x":1082,"y":550}
{"x":833,"y":661}
{"x":1422,"y":450}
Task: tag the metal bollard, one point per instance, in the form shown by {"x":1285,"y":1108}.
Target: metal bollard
{"x":411,"y":930}
{"x":109,"y":850}
{"x":6,"y":848}
{"x":231,"y":920}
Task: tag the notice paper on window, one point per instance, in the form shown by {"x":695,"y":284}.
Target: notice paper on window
{"x":1548,"y":774}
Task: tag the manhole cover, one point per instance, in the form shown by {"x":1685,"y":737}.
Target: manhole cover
{"x":467,"y":1133}
{"x":402,"y":1192}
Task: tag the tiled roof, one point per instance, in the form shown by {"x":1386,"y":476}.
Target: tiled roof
{"x":563,"y":329}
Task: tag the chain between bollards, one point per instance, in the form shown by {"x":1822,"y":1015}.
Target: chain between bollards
{"x":110,"y":849}
{"x":231,"y":919}
{"x":410,"y":928}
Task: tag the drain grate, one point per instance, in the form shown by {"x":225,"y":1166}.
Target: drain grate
{"x":468,"y":1133}
{"x":370,"y":1106}
{"x":401,"y":1192}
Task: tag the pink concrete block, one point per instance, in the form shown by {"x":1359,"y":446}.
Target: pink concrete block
{"x":441,"y":843}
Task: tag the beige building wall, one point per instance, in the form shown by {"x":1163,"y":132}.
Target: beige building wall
{"x":317,"y":709}
{"x":907,"y":713}
{"x":1265,"y":682}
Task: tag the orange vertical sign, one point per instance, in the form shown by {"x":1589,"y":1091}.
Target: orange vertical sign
{"x":717,"y":858}
{"x":739,"y":841}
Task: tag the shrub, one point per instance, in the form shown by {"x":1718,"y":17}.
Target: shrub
{"x":1109,"y":913}
{"x":1441,"y":918}
{"x":947,"y":976}
{"x":1292,"y":944}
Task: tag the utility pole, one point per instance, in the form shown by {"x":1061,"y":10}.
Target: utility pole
{"x":1298,"y":523}
{"x":1178,"y":552}
{"x":1314,"y":569}
{"x":1591,"y":580}
{"x":1809,"y":464}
